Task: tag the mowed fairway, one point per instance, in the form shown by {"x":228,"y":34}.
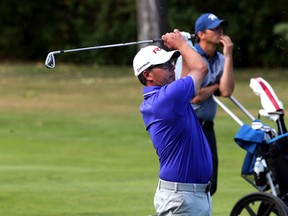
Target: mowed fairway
{"x":73,"y":142}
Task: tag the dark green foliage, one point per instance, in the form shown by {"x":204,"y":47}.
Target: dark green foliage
{"x":30,"y":29}
{"x":251,"y":27}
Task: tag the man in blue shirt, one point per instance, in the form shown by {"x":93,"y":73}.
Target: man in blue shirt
{"x":219,"y":80}
{"x":183,"y":151}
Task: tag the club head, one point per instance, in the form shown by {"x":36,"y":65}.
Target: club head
{"x":50,"y":61}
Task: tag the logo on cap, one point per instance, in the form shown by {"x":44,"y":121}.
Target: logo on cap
{"x":156,"y":49}
{"x":212,"y":17}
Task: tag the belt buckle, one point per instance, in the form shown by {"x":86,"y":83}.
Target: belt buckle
{"x":208,"y":187}
{"x":202,"y":122}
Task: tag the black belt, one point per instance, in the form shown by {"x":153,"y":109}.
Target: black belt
{"x":190,"y":187}
{"x":206,"y":124}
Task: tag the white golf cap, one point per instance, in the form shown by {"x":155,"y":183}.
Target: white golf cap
{"x":152,"y":55}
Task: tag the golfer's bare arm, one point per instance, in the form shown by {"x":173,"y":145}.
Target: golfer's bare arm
{"x":205,"y":92}
{"x":226,"y":85}
{"x":227,"y":80}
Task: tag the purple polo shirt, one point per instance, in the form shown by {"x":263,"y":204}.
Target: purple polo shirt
{"x":183,"y":151}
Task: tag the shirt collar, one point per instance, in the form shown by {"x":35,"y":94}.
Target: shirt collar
{"x":148,"y":90}
{"x":203,"y":53}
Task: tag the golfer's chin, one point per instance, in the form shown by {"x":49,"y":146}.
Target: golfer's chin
{"x":218,"y":42}
{"x":172,"y":78}
{"x":167,"y":81}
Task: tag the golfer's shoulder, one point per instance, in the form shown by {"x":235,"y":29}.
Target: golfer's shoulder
{"x":181,"y":86}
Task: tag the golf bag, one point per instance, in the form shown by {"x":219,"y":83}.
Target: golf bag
{"x":271,"y":152}
{"x":265,"y":164}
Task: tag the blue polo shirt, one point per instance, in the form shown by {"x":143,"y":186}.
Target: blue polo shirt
{"x":207,"y":110}
{"x":183,"y":151}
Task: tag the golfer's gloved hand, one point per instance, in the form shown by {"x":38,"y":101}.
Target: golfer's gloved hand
{"x":186,"y":35}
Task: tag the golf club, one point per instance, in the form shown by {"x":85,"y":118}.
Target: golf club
{"x":242,"y":108}
{"x":50,"y":59}
{"x":228,"y":111}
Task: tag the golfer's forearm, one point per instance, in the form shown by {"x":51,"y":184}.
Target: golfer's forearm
{"x":204,"y":93}
{"x":195,"y":65}
{"x":193,"y":60}
{"x":227,"y":81}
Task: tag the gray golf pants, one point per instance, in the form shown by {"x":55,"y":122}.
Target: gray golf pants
{"x":182,"y":203}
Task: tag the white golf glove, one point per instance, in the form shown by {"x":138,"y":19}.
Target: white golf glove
{"x":187,"y":37}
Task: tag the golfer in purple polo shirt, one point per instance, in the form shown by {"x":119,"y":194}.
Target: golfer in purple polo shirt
{"x":183,"y":152}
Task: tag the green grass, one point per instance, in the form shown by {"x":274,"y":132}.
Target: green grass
{"x":73,"y":142}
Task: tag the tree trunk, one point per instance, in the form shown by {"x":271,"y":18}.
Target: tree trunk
{"x":151,"y":20}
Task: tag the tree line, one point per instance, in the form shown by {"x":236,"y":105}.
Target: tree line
{"x":30,"y":29}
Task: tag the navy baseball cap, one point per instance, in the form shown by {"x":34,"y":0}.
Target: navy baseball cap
{"x":208,"y":21}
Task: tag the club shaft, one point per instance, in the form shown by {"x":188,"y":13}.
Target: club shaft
{"x":227,"y":110}
{"x":112,"y":45}
{"x":107,"y":46}
{"x":243,"y":109}
{"x":50,"y":59}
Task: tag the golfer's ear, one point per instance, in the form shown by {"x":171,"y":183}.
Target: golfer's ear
{"x":200,"y":34}
{"x":146,"y":74}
